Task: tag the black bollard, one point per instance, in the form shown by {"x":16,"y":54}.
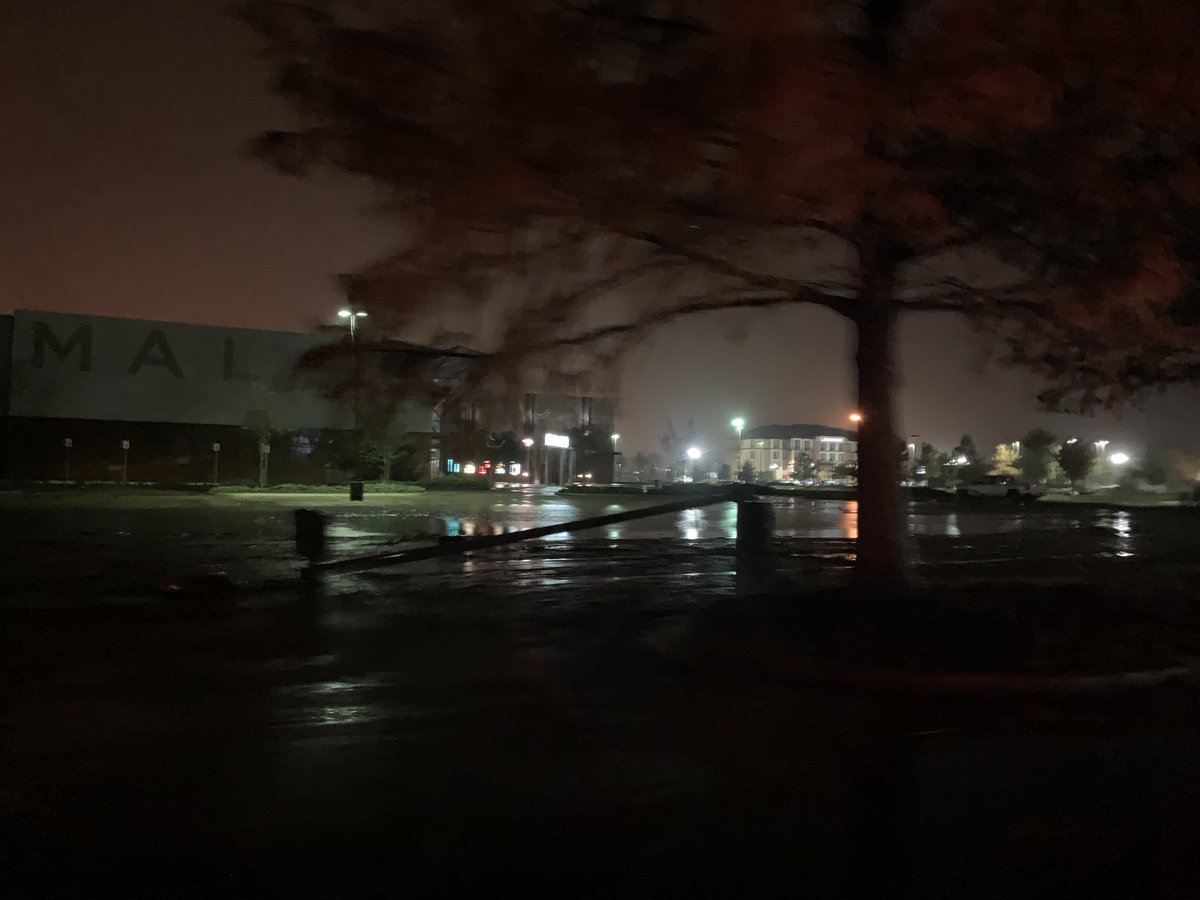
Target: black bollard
{"x":755,"y":550}
{"x":356,"y":491}
{"x":310,"y":534}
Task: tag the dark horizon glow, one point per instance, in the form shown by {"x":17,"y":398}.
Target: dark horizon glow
{"x":125,"y":195}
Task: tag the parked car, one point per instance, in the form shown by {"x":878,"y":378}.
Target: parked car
{"x":1001,"y":486}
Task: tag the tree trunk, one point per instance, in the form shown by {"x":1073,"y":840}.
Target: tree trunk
{"x":387,"y":469}
{"x":264,"y":451}
{"x":880,"y":558}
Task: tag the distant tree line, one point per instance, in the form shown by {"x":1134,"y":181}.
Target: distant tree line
{"x":1040,"y":457}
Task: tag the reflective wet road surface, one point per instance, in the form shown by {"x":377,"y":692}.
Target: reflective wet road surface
{"x":539,"y":719}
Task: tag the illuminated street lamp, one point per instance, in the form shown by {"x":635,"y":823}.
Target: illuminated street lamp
{"x":856,"y":417}
{"x":528,"y":442}
{"x":693,"y":453}
{"x":353,"y":316}
{"x":615,"y":438}
{"x":738,"y":424}
{"x":1118,"y":459}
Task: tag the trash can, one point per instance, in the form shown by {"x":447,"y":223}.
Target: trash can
{"x":356,"y":490}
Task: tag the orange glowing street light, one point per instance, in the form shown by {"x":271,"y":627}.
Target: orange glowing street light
{"x":856,"y":417}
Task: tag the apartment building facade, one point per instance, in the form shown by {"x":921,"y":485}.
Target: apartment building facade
{"x":799,"y":452}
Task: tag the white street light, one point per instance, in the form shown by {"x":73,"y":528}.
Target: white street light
{"x":738,"y":424}
{"x":1119,"y":459}
{"x":353,"y":315}
{"x":693,"y":452}
{"x":528,"y":442}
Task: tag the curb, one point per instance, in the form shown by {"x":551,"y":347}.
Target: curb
{"x":824,"y":672}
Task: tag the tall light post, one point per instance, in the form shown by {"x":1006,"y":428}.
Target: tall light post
{"x":694,"y":454}
{"x":528,"y":442}
{"x":615,"y":437}
{"x":352,"y":316}
{"x":914,"y":450}
{"x":737,"y":425}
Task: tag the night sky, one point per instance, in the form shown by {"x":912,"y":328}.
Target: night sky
{"x":122,"y":193}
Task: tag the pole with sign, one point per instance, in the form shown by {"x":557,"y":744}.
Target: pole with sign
{"x":562,"y":443}
{"x":67,"y":444}
{"x":216,"y":448}
{"x":124,"y":462}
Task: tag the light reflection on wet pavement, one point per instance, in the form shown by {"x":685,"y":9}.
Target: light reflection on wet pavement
{"x":521,"y":714}
{"x":123,"y":555}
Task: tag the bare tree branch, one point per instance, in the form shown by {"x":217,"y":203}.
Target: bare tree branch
{"x":752,"y":279}
{"x":959,"y":296}
{"x":688,"y":308}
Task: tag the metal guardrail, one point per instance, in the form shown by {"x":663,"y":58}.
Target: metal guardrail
{"x":754,"y":531}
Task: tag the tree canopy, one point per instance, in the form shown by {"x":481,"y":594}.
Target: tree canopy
{"x":1004,"y":461}
{"x":1037,"y":454}
{"x":612,"y":165}
{"x":1077,"y":459}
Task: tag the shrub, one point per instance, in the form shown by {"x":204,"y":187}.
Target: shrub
{"x":456,"y":483}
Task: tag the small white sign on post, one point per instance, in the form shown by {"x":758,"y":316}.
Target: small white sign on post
{"x":68,"y":443}
{"x":216,"y":447}
{"x":124,"y":445}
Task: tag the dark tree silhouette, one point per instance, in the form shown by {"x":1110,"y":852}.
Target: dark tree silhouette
{"x":1031,"y":165}
{"x":1036,"y":454}
{"x":1077,"y":459}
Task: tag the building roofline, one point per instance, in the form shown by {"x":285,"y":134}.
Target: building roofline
{"x":791,"y":432}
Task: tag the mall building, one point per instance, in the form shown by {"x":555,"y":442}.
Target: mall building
{"x":98,"y":398}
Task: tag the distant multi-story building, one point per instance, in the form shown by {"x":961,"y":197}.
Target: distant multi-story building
{"x":796,"y":451}
{"x":100,"y":398}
